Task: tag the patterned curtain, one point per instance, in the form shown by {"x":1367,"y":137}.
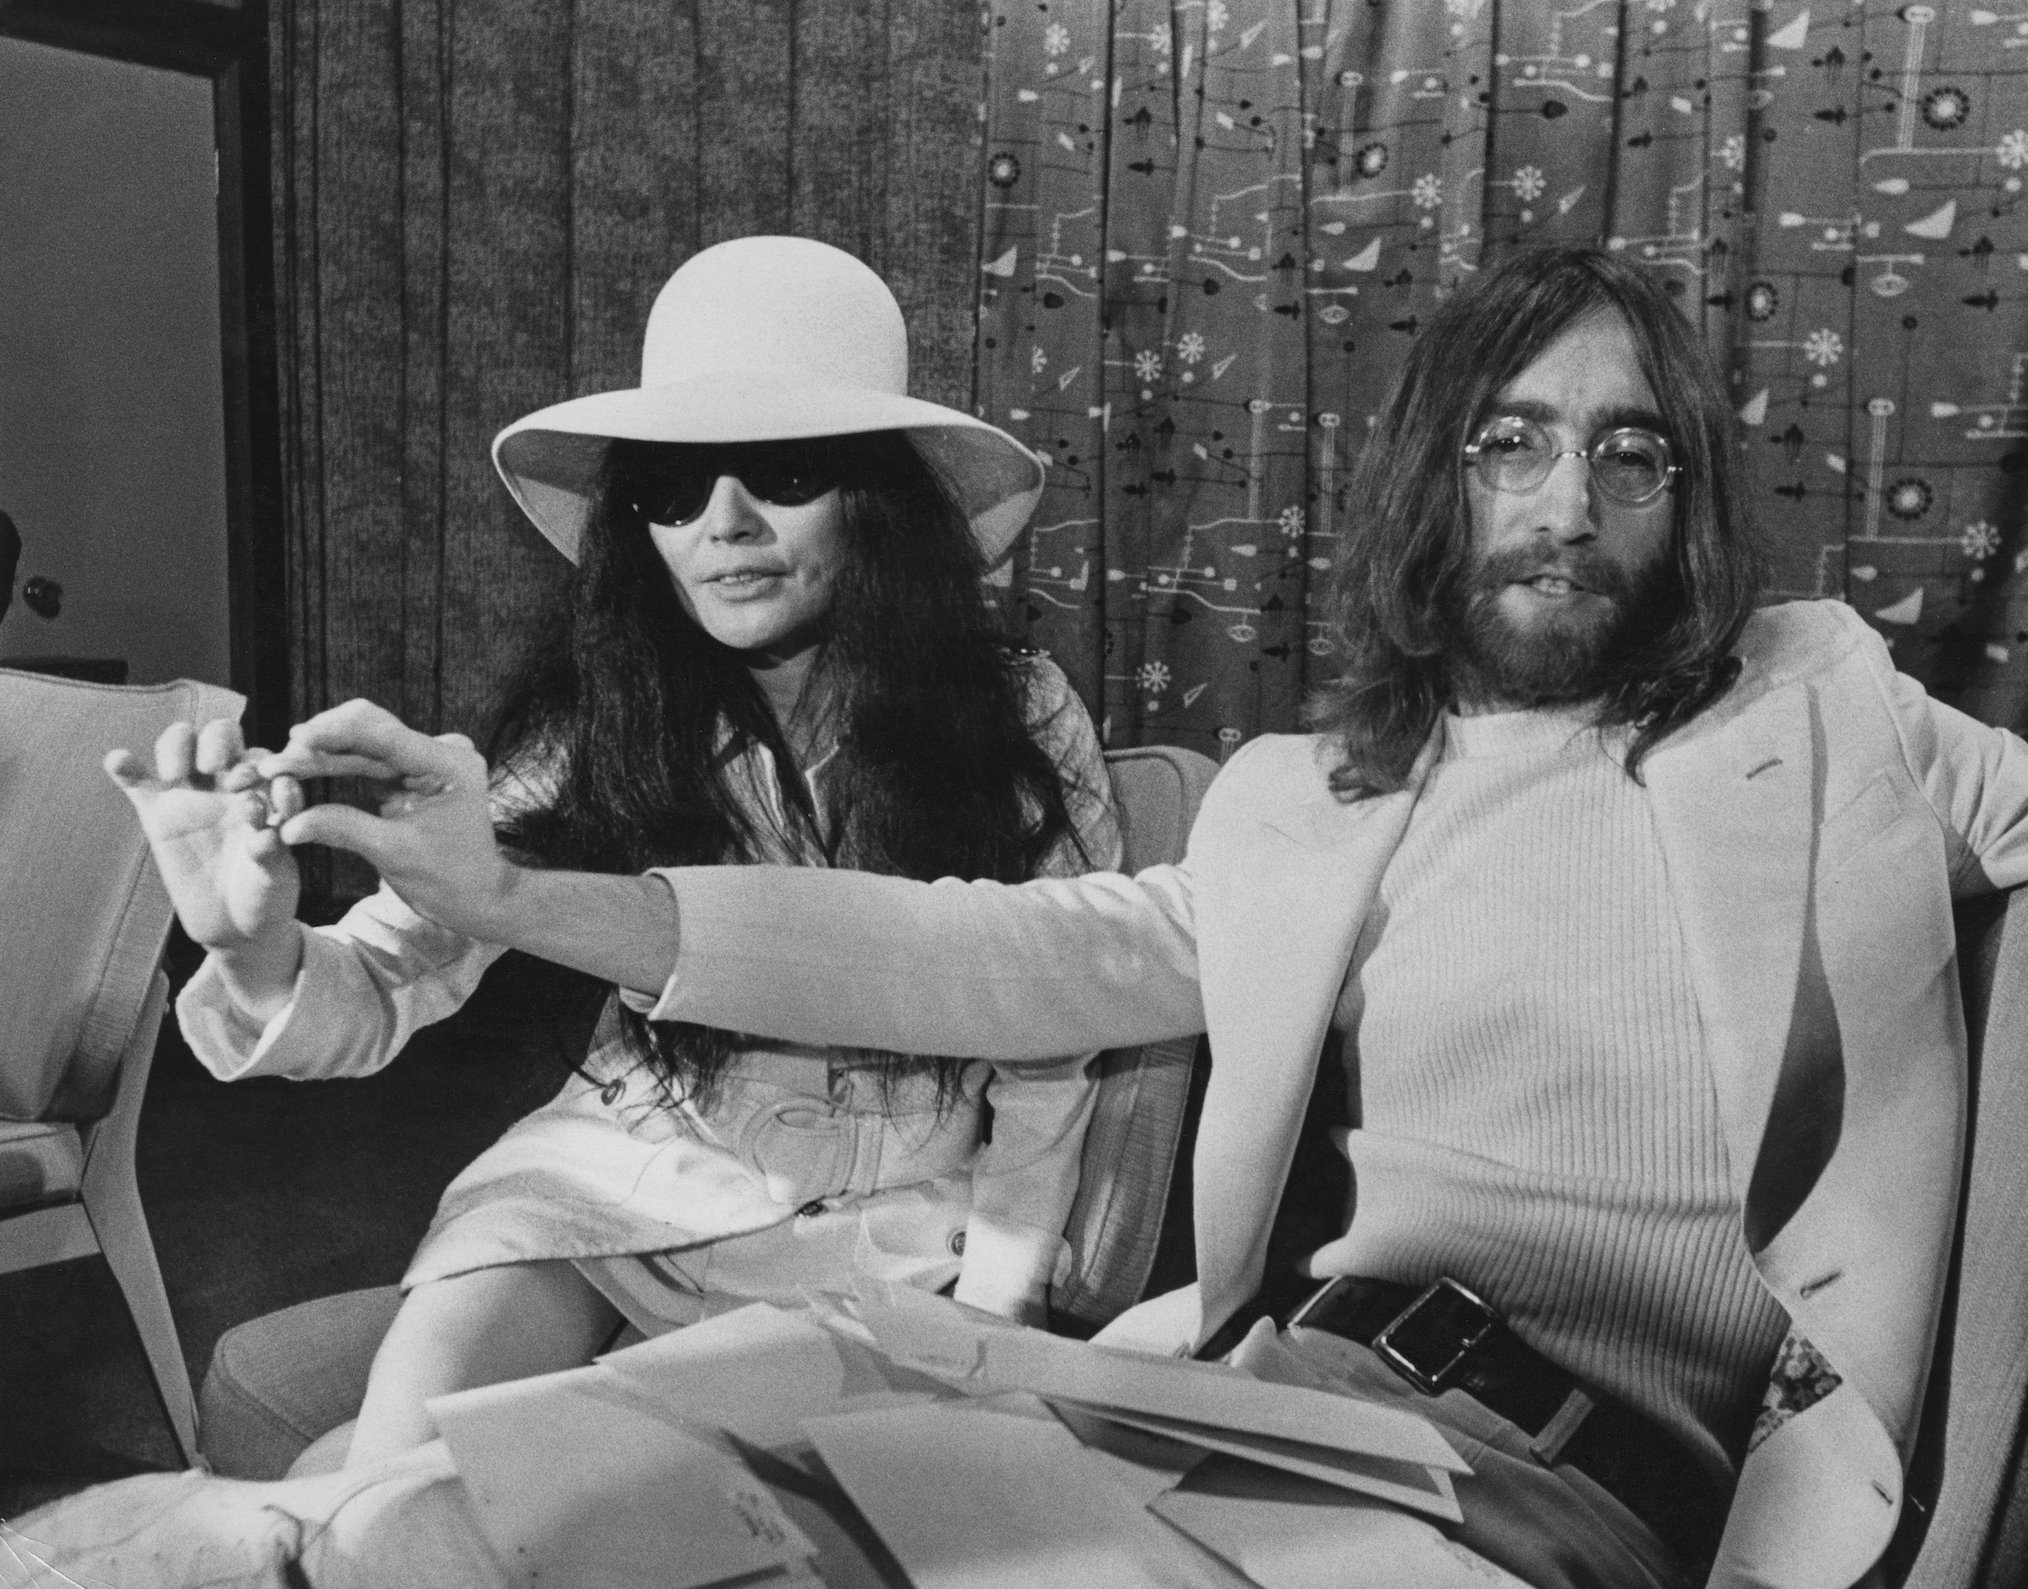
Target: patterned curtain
{"x":1211,"y":228}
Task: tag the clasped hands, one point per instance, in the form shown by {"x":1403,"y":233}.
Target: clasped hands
{"x":222,"y":820}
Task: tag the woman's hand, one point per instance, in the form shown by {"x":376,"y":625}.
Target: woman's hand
{"x":432,"y":842}
{"x":209,"y":819}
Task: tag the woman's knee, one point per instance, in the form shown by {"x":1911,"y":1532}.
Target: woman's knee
{"x":501,"y":1323}
{"x":469,"y":1330}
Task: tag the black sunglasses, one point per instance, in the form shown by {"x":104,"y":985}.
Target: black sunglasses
{"x":673,"y":484}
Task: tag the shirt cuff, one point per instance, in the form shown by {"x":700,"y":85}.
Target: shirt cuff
{"x":1009,"y":1266}
{"x":229,"y":1042}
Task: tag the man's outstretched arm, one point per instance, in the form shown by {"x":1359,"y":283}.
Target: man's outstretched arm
{"x":988,"y":970}
{"x":975,"y":970}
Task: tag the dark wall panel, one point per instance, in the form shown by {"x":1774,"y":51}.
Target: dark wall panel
{"x":357,"y":227}
{"x":745,"y":90}
{"x":635,"y":185}
{"x":423,"y":206}
{"x":934,"y":161}
{"x":508,"y":332}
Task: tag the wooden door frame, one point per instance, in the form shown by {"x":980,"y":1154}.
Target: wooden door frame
{"x":228,"y":45}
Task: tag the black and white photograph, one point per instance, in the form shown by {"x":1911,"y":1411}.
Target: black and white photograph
{"x":994,"y":794}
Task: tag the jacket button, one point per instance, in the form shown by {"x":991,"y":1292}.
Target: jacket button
{"x":811,"y":1209}
{"x":957,"y":1244}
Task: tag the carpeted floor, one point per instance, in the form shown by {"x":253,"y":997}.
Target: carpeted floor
{"x":260,"y":1194}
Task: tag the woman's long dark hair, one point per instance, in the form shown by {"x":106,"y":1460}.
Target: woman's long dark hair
{"x":626,"y":719}
{"x":1407,"y":555}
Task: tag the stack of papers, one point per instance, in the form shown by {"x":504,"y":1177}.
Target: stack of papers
{"x":982,"y":1455}
{"x":997,"y":1494}
{"x":1275,"y":1485}
{"x":577,"y":1483}
{"x":1387,"y":1452}
{"x":639,"y":1472}
{"x":1381,"y":1451}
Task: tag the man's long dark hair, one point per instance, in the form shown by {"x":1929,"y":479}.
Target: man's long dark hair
{"x":1406,"y":558}
{"x":626,"y":719}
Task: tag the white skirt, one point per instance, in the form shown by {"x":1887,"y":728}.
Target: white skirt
{"x":802,"y":1174}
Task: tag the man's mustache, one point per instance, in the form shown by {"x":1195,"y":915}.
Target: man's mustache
{"x":1580,"y":565}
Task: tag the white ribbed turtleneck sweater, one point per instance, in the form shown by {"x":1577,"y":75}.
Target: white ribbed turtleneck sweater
{"x":1537,"y":1114}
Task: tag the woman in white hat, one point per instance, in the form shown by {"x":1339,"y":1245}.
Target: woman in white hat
{"x":774,"y":648}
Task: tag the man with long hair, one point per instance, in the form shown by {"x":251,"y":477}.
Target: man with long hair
{"x":1416,"y":604}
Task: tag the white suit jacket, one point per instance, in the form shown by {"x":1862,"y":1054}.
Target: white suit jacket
{"x":1815,"y":824}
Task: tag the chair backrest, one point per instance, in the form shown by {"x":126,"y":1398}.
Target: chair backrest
{"x":1967,"y":1524}
{"x":83,"y":914}
{"x":1130,"y":1148}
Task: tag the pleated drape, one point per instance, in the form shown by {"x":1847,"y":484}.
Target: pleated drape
{"x":1212,"y":227}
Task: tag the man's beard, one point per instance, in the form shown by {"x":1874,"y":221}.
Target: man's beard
{"x":1562,"y":658}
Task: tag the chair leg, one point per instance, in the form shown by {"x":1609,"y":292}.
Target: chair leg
{"x":112,"y":1201}
{"x":122,"y":1230}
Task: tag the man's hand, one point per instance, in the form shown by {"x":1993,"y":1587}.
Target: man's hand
{"x":433,"y":845}
{"x":432,"y":842}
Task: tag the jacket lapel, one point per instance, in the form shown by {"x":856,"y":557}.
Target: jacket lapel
{"x":1281,"y":910}
{"x":1733,"y":811}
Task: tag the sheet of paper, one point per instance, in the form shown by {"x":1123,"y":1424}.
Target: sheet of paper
{"x":929,"y":1332}
{"x":577,"y":1484}
{"x":759,"y":1372}
{"x":997,"y":1494}
{"x":1286,"y":1534}
{"x":1407,"y":1484}
{"x":1140,"y":1461}
{"x":1202,"y":1393}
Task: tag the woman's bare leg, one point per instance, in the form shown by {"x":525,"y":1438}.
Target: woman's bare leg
{"x":477,"y":1328}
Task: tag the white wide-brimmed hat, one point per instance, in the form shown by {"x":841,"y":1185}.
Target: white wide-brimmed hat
{"x":767,"y":339}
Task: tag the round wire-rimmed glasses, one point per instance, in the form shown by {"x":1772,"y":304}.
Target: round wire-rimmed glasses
{"x":1512,"y":453}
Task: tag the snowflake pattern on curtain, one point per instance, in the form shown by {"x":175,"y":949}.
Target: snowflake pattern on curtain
{"x":1211,"y":228}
